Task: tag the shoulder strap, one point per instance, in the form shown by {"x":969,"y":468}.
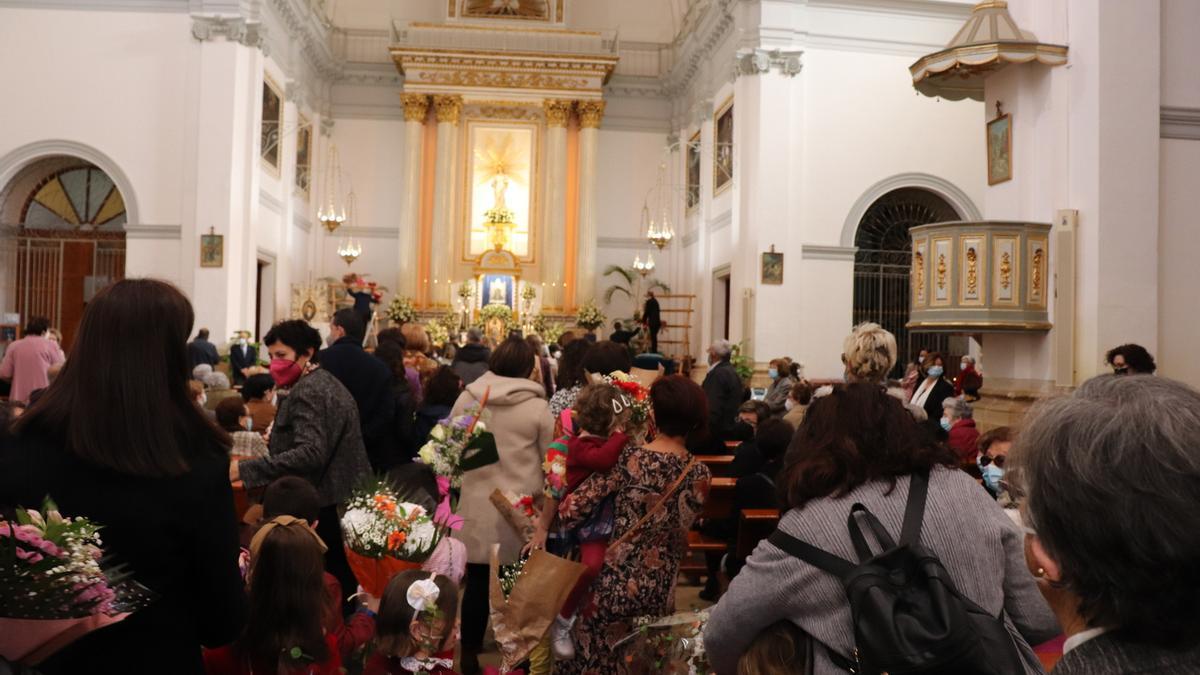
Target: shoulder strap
{"x":914,"y":510}
{"x":822,"y":560}
{"x":657,"y":506}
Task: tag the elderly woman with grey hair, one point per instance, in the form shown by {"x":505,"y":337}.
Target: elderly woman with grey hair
{"x":958,"y":419}
{"x":217,"y":389}
{"x":1111,"y":477}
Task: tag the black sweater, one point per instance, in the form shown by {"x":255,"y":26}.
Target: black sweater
{"x":177,"y":535}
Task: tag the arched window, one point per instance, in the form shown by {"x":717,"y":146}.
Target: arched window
{"x":72,"y":197}
{"x":883,"y":262}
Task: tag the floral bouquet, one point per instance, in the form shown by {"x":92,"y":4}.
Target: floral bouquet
{"x":460,"y":444}
{"x":498,"y":312}
{"x":55,"y":585}
{"x":439,"y":335}
{"x":517,"y":510}
{"x":670,"y":645}
{"x":385,"y":535}
{"x":589,"y":316}
{"x":401,"y":310}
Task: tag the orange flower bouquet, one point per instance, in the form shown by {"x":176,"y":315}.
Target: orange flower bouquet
{"x":385,"y":535}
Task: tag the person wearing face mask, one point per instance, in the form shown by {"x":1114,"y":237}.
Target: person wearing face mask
{"x":234,"y":417}
{"x":242,"y":357}
{"x":969,"y":379}
{"x":932,"y":391}
{"x":958,"y":421}
{"x":316,"y":435}
{"x":783,"y":373}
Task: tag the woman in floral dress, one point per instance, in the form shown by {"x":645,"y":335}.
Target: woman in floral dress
{"x":639,"y":577}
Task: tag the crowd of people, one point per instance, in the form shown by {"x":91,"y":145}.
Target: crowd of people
{"x":1078,"y":525}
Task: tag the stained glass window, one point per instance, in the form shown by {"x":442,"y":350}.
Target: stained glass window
{"x":72,"y":197}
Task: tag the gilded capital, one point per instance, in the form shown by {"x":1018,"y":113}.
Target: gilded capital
{"x":416,"y":106}
{"x":449,"y":107}
{"x":590,"y":113}
{"x":558,"y":111}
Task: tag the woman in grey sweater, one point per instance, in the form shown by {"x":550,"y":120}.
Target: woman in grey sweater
{"x":859,"y":445}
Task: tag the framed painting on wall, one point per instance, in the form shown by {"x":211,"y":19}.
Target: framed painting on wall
{"x":723,"y":147}
{"x":212,"y":249}
{"x":693,"y":171}
{"x":304,"y":155}
{"x":999,"y":149}
{"x":272,"y":125}
{"x":772,"y":267}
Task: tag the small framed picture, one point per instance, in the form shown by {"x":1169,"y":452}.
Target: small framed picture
{"x":999,"y":149}
{"x":772,"y":267}
{"x":723,"y":147}
{"x":212,"y":250}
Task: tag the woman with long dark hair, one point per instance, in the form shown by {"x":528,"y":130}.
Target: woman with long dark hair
{"x":117,"y":439}
{"x":859,"y":445}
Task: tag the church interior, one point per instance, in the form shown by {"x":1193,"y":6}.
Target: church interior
{"x":1012,"y":184}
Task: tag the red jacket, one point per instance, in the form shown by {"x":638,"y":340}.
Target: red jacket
{"x":226,"y":661}
{"x":589,"y":454}
{"x":349,"y":636}
{"x":964,"y":438}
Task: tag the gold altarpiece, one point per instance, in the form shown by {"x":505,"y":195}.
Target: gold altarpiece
{"x":501,"y":186}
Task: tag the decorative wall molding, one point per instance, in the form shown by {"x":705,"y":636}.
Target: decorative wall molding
{"x":232,"y":28}
{"x":705,"y":34}
{"x":818,"y":252}
{"x":633,"y":243}
{"x":761,"y":61}
{"x":720,"y":222}
{"x":106,"y":5}
{"x":301,"y":222}
{"x":172,"y":232}
{"x":368,"y":232}
{"x":691,"y":238}
{"x":1180,"y":123}
{"x":943,"y":188}
{"x":270,"y":201}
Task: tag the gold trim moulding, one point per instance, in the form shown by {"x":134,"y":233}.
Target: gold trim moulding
{"x":984,"y":325}
{"x":504,"y":29}
{"x":468,"y":53}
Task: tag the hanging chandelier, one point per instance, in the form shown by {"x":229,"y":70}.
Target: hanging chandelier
{"x":332,"y":212}
{"x":349,"y":250}
{"x":656,"y":212}
{"x":643,"y":268}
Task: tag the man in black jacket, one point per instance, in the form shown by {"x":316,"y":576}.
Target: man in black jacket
{"x":471,"y":360}
{"x":724,"y":390}
{"x":652,"y":318}
{"x":201,"y":350}
{"x":242,"y":355}
{"x":622,"y":336}
{"x":369,"y":382}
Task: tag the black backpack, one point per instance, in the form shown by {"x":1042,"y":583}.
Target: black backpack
{"x":908,"y":616}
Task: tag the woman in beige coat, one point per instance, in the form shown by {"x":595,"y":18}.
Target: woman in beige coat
{"x":519,"y":417}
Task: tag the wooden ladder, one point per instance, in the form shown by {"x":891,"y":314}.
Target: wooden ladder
{"x":676,"y":310}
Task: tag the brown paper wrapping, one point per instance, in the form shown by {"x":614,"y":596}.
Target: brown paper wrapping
{"x":522,"y":620}
{"x":520,"y":522}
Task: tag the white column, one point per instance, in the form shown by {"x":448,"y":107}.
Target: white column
{"x":553,"y":232}
{"x":416,"y":106}
{"x":442,"y":243}
{"x":590,"y":114}
{"x":226,"y":185}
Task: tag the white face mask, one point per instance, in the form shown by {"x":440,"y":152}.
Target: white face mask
{"x":789,"y":404}
{"x":964,"y":365}
{"x":249,"y":424}
{"x":203,"y":399}
{"x":274,"y":399}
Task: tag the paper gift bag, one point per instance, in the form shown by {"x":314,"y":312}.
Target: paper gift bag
{"x":522,"y":620}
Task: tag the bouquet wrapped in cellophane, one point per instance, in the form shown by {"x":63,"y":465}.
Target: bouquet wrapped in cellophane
{"x":385,"y":535}
{"x":670,"y":645}
{"x":56,"y":585}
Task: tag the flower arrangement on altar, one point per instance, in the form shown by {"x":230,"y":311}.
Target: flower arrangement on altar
{"x":439,"y":335}
{"x":385,"y":534}
{"x":528,"y":293}
{"x":548,"y":330}
{"x":54,"y":586}
{"x":499,"y":215}
{"x":503,"y":313}
{"x":589,"y":316}
{"x":465,"y":290}
{"x":401,"y":310}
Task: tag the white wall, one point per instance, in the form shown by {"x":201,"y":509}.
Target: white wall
{"x":1178,"y":250}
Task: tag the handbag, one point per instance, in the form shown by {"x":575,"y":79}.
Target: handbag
{"x":617,"y":550}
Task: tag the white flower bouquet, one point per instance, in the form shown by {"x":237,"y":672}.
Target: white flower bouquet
{"x":385,"y":535}
{"x":589,"y":316}
{"x":401,"y":310}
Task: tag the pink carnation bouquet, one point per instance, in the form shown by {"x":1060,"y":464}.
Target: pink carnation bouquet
{"x":55,"y":584}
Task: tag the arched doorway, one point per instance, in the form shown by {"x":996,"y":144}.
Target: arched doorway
{"x":883,"y":262}
{"x":62,"y":239}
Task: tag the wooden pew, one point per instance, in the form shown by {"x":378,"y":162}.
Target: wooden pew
{"x":718,"y":505}
{"x":721,"y":466}
{"x":720,"y":498}
{"x":754,"y":526}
